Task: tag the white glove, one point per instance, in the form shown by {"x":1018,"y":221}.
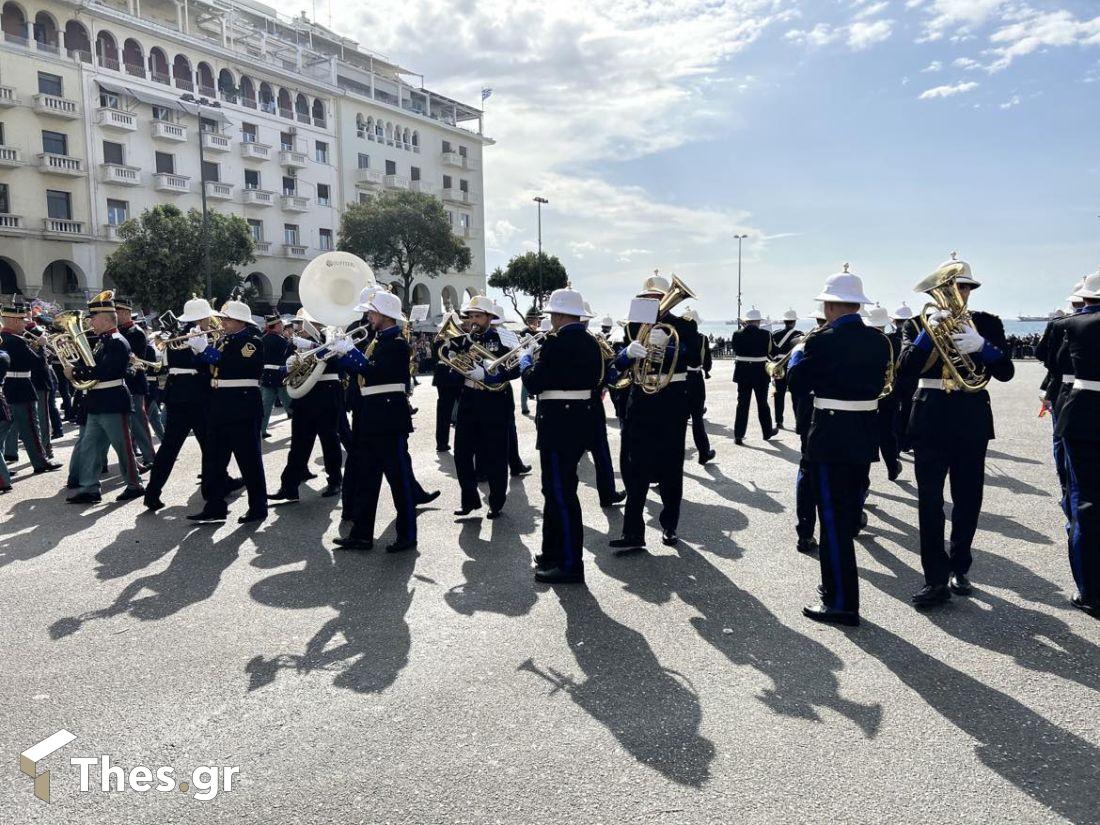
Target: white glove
{"x":477,"y":373}
{"x":658,"y":338}
{"x":636,"y":350}
{"x":968,"y":340}
{"x":198,"y":344}
{"x":936,"y":317}
{"x":302,"y":343}
{"x":342,"y":346}
{"x":292,"y":360}
{"x":527,"y":352}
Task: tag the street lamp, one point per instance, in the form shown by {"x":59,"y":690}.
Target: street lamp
{"x":740,"y":238}
{"x":540,"y":201}
{"x":199,"y":104}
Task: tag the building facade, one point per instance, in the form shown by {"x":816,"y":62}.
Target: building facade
{"x":108,"y":108}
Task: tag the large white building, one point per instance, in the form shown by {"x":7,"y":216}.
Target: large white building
{"x":94,"y":130}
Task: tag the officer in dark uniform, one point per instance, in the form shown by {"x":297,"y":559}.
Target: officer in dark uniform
{"x":19,"y":387}
{"x":805,"y":501}
{"x":600,"y":449}
{"x":905,"y":386}
{"x":44,"y":384}
{"x":236,"y":412}
{"x":187,"y":400}
{"x":107,"y":407}
{"x":516,"y":467}
{"x":656,"y":426}
{"x":697,"y":391}
{"x":950,"y":432}
{"x":570,"y":366}
{"x":136,"y":382}
{"x":783,"y":341}
{"x":752,"y":346}
{"x":448,"y":384}
{"x":1078,"y":430}
{"x":5,"y":422}
{"x":888,"y":405}
{"x":381,"y":425}
{"x":276,"y":349}
{"x":532,"y":320}
{"x":845,"y":366}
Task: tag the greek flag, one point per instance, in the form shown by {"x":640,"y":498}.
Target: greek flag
{"x":486,"y":94}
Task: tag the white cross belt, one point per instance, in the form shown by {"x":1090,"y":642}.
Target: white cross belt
{"x":566,"y":395}
{"x":379,"y":389}
{"x":1082,"y":384}
{"x":869,"y":405}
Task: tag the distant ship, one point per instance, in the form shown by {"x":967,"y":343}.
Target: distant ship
{"x":1055,"y":314}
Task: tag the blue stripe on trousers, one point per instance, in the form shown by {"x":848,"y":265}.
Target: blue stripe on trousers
{"x":828,"y":519}
{"x":406,"y":483}
{"x":1075,"y":549}
{"x":563,"y":514}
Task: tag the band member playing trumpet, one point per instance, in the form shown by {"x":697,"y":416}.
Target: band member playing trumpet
{"x":783,"y":341}
{"x":19,"y":386}
{"x":752,"y":346}
{"x":951,"y":426}
{"x":697,"y":391}
{"x":845,"y":366}
{"x":805,"y":501}
{"x":569,"y":367}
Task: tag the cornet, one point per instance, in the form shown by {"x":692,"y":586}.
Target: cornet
{"x":510,"y":360}
{"x":180,"y":341}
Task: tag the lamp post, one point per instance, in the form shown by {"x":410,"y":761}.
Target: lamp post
{"x":540,"y":201}
{"x":740,"y":238}
{"x":199,"y":104}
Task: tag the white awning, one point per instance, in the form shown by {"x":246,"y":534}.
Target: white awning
{"x":169,"y":100}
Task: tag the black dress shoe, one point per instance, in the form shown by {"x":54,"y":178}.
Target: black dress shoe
{"x":555,"y":575}
{"x":282,"y":494}
{"x":331,"y":490}
{"x":207,"y":517}
{"x":808,"y":546}
{"x":617,"y":498}
{"x":827,"y":615}
{"x":669,"y":538}
{"x":265,"y":435}
{"x":522,"y":470}
{"x":893,"y":471}
{"x":931,"y":595}
{"x":7,"y":488}
{"x":130,"y":493}
{"x":444,"y":449}
{"x":465,"y":511}
{"x":49,"y":467}
{"x":494,"y":514}
{"x":427,"y":498}
{"x":707,"y":456}
{"x":1088,"y":607}
{"x":309,"y":476}
{"x":401,"y":546}
{"x":11,"y":459}
{"x":862,"y":522}
{"x":144,"y":468}
{"x":152,"y":503}
{"x":252,"y":517}
{"x":771,"y":435}
{"x":625,"y":545}
{"x":353,"y":543}
{"x":541,"y":562}
{"x":235,"y":484}
{"x":778,"y":425}
{"x":739,"y":441}
{"x":960,"y":585}
{"x":85,"y":498}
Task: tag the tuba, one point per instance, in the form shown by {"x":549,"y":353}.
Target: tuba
{"x":654,"y":372}
{"x":960,"y":371}
{"x":71,"y":344}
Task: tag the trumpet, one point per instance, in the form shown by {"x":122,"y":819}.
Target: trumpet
{"x":510,"y":360}
{"x":141,"y":365}
{"x":180,"y":341}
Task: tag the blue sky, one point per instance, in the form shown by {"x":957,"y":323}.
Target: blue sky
{"x":886,"y":133}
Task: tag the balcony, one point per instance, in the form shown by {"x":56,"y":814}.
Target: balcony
{"x":167,"y":182}
{"x":453,"y":159}
{"x":467,"y":232}
{"x":456,"y":195}
{"x":424,"y":187}
{"x":11,"y":224}
{"x":368,"y":177}
{"x":8,"y":97}
{"x":110,"y":233}
{"x":293,"y":250}
{"x":395,"y":182}
{"x":295,"y":203}
{"x":166,"y":130}
{"x":58,"y":227}
{"x":262,"y":247}
{"x":10,"y":156}
{"x":218,"y":191}
{"x":251,"y":150}
{"x":215,"y":142}
{"x":60,"y":165}
{"x":257,"y":197}
{"x":293,"y":160}
{"x":117,"y":119}
{"x":53,"y":106}
{"x":121,"y":175}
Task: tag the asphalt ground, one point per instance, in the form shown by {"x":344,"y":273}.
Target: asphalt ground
{"x":681,"y":686}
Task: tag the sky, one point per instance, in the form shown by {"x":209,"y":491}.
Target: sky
{"x":881,"y":133}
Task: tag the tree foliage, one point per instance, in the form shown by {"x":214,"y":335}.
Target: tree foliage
{"x":405,"y":233}
{"x":160,"y":260}
{"x":521,"y":277}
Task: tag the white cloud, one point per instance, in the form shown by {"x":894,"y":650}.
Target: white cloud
{"x":872,"y":10}
{"x":863,"y":35}
{"x":947,"y":91}
{"x":857,"y":36}
{"x":820,"y":35}
{"x":961,"y":15}
{"x":1034,"y":30}
{"x":966,"y":63}
{"x":1012,"y":101}
{"x":934,"y":66}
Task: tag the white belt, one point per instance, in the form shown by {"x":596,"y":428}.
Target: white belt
{"x":1068,"y":379}
{"x":330,"y":376}
{"x":930,"y":384}
{"x":182,"y":371}
{"x":845,"y":406}
{"x":19,"y":375}
{"x":678,"y":376}
{"x":273,"y":366}
{"x":694,"y":369}
{"x":108,"y":385}
{"x":566,"y":395}
{"x":234,"y":383}
{"x":1082,"y":384}
{"x":745,"y":359}
{"x":382,"y":388}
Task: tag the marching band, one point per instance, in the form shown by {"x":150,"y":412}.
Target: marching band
{"x":861,"y":384}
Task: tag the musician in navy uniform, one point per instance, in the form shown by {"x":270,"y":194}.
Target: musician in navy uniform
{"x":44,"y":384}
{"x":805,"y":501}
{"x":276,"y":349}
{"x":136,"y":382}
{"x":783,"y":341}
{"x":950,"y":432}
{"x":236,"y":365}
{"x":186,"y":399}
{"x":905,"y":386}
{"x":107,"y":407}
{"x":19,"y":388}
{"x":516,"y":467}
{"x":697,"y":377}
{"x":570,"y":365}
{"x":1078,"y":429}
{"x":598,"y":446}
{"x":752,"y":346}
{"x":448,"y":384}
{"x":381,"y":426}
{"x":888,"y":405}
{"x":5,"y":422}
{"x":845,"y":366}
{"x":656,"y":426}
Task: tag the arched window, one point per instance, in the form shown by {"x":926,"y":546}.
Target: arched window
{"x":450,"y":298}
{"x":9,"y":277}
{"x":206,"y":80}
{"x":14,"y":23}
{"x":181,"y":73}
{"x":405,"y":135}
{"x":379,"y":131}
{"x":267,"y":99}
{"x":421,"y":295}
{"x":285,"y":105}
{"x":106,"y":50}
{"x":389,"y":133}
{"x":133,"y":58}
{"x":45,"y":32}
{"x":259,"y":282}
{"x":77,"y":42}
{"x":248,"y":92}
{"x":158,"y":65}
{"x":319,"y":117}
{"x":301,"y":108}
{"x":227,"y":86}
{"x":416,"y":140}
{"x":62,"y":278}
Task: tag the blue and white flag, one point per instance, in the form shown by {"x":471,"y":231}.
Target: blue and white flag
{"x":486,"y":94}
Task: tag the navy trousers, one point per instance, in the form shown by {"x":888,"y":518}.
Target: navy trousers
{"x":1082,"y":462}
{"x":698,"y":393}
{"x":780,"y":401}
{"x":489,"y":441}
{"x":601,"y":454}
{"x":239,"y":439}
{"x":805,"y":503}
{"x":183,"y":419}
{"x":964,"y":468}
{"x":839,"y":492}
{"x":562,"y":522}
{"x":655,"y":454}
{"x":377,"y":456}
{"x":745,"y":392}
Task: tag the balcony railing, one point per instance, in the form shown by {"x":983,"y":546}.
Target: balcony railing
{"x":262,"y":247}
{"x":320,"y":122}
{"x":250,"y":150}
{"x":219,"y":191}
{"x":368,"y":177}
{"x":8,"y":97}
{"x":295,"y":203}
{"x":207,"y":91}
{"x":159,"y":77}
{"x":456,"y":195}
{"x":135,"y":69}
{"x":60,"y":164}
{"x":167,"y":182}
{"x":56,"y":106}
{"x":395,"y":182}
{"x":10,"y":224}
{"x":452,"y":159}
{"x":249,"y":102}
{"x":110,"y":232}
{"x":293,"y":160}
{"x":117,"y":119}
{"x":215,"y":142}
{"x":166,"y":130}
{"x":303,"y":117}
{"x":59,"y":226}
{"x":80,"y":55}
{"x":49,"y":48}
{"x":423,"y":187}
{"x":10,"y":156}
{"x":185,"y":84}
{"x":293,"y":250}
{"x":287,"y":113}
{"x":109,"y":63}
{"x":258,"y":197}
{"x":121,"y":175}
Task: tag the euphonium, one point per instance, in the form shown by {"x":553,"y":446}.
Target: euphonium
{"x":71,"y":345}
{"x":654,"y":372}
{"x":465,"y":359}
{"x":960,"y":371}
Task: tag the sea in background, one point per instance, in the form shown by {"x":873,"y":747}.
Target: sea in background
{"x":720,"y":329}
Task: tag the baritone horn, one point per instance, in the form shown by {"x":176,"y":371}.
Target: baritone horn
{"x":461,"y":353}
{"x":71,"y":344}
{"x":960,"y":371}
{"x":654,"y":372}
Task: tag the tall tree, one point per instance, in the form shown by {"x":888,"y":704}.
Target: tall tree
{"x":160,"y":260}
{"x":406,"y":233}
{"x":525,"y":275}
